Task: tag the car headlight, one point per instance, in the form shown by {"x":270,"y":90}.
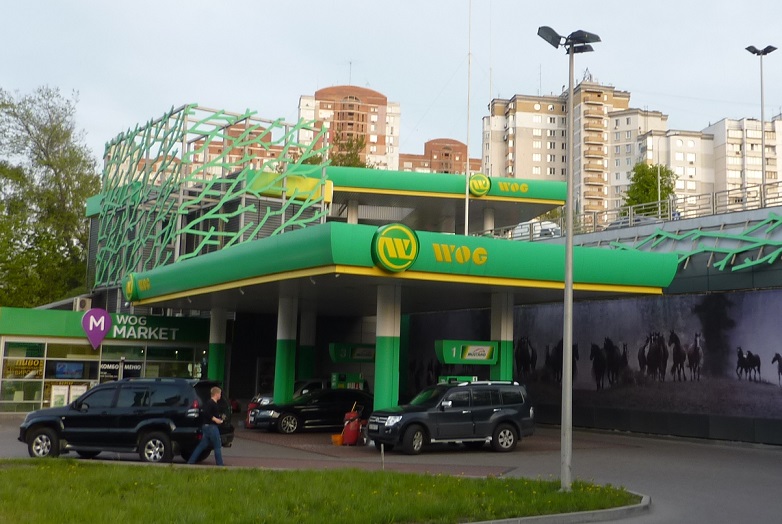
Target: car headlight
{"x":531,"y":412}
{"x":393,"y":419}
{"x":265,"y":401}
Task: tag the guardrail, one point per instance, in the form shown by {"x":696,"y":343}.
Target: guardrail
{"x":756,"y":196}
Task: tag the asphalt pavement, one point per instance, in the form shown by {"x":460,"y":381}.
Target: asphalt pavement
{"x":684,"y":480}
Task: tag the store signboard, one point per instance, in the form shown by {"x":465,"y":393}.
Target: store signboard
{"x":347,"y":352}
{"x":115,"y":326}
{"x":466,"y":352}
{"x":22,"y":368}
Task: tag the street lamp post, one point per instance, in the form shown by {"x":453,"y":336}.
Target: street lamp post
{"x":576,"y":42}
{"x":761,"y":53}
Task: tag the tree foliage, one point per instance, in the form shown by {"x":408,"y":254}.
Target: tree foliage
{"x":643,"y":188}
{"x":347,"y":150}
{"x":47,"y":175}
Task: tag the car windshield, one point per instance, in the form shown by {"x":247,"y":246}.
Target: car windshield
{"x":429,"y":396}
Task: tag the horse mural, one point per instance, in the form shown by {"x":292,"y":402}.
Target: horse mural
{"x":598,"y":357}
{"x":778,"y":360}
{"x":748,"y":364}
{"x":679,"y":355}
{"x":642,"y":354}
{"x":657,"y":357}
{"x":554,"y":361}
{"x":694,"y":355}
{"x":525,"y":358}
{"x":613,"y":360}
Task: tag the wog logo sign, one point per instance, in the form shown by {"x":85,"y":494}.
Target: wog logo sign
{"x":395,"y":247}
{"x":479,"y":184}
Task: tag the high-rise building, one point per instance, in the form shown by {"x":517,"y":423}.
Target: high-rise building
{"x":352,"y":113}
{"x":738,"y":161}
{"x":526,"y":137}
{"x":441,"y":155}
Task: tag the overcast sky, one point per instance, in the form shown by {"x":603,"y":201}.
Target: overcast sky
{"x":132,"y":61}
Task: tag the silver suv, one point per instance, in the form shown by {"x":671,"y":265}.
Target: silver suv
{"x":473,"y":413}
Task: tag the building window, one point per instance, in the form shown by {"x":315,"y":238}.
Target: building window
{"x":552,"y":120}
{"x":552,"y":145}
{"x":536,"y":157}
{"x":537,"y":119}
{"x":618,"y":162}
{"x":536,"y":170}
{"x":617,"y":136}
{"x":690,"y":143}
{"x":551,"y":132}
{"x":537,"y":132}
{"x":690,"y":157}
{"x":552,"y":171}
{"x":536,"y":144}
{"x":616,"y":150}
{"x":551,"y":158}
{"x":627,"y":121}
{"x":679,"y":156}
{"x":628,"y":135}
{"x":629,"y":148}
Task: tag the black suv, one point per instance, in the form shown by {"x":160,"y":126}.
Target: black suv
{"x":468,"y":412}
{"x":154,"y":417}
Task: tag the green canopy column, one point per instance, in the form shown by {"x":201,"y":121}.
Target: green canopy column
{"x":285,"y":364}
{"x":502,"y":332}
{"x":216,"y":366}
{"x":389,"y":316}
{"x":305,"y":359}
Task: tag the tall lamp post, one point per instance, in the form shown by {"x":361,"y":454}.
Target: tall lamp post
{"x":576,"y":42}
{"x":761,"y":53}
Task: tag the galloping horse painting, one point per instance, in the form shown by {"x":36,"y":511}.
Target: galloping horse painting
{"x":748,"y":364}
{"x":679,"y":357}
{"x":778,"y":360}
{"x":598,"y":357}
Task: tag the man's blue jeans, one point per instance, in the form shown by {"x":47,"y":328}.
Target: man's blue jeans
{"x":211,"y":435}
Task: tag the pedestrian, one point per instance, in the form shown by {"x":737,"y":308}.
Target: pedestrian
{"x":211,"y":418}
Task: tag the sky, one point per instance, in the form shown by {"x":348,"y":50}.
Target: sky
{"x":441,"y":60}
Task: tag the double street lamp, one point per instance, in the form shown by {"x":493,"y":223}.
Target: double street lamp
{"x":761,"y":53}
{"x":576,"y":42}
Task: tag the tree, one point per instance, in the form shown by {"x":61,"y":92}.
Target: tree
{"x":643,"y":188}
{"x":48,"y":175}
{"x":346,"y":150}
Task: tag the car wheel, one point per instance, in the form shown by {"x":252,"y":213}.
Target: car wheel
{"x":88,"y":454}
{"x":43,"y":442}
{"x":155,"y":447}
{"x":504,"y":438}
{"x":413,"y":440}
{"x":387,"y":447}
{"x":288,"y":423}
{"x":186,"y":454}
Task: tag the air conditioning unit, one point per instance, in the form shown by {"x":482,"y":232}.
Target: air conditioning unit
{"x":505,"y":137}
{"x":82,"y":304}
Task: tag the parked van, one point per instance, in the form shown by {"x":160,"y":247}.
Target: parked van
{"x":534,"y":230}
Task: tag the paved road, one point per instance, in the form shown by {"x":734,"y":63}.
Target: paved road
{"x":688,"y":481}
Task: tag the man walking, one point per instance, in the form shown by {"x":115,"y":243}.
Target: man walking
{"x":211,"y":418}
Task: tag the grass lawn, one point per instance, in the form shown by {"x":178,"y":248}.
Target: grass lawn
{"x":78,"y":491}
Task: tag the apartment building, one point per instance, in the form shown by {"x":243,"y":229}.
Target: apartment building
{"x":526,"y":137}
{"x":441,"y":155}
{"x":738,"y":156}
{"x":352,"y":112}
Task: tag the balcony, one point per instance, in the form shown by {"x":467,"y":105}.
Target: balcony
{"x":593,"y":180}
{"x":593,"y":113}
{"x":594,"y":138}
{"x":593,"y":166}
{"x":593,"y":152}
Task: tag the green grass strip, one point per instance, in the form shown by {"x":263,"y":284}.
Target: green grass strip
{"x":78,"y":491}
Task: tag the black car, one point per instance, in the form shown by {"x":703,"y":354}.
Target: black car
{"x":323,"y":409}
{"x":156,"y":418}
{"x":469,"y":412}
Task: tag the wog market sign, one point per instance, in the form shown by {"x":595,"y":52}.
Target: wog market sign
{"x":99,"y":325}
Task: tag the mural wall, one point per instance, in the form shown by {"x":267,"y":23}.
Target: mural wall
{"x":684,"y":364}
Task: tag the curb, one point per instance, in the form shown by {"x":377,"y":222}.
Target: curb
{"x":603,"y":515}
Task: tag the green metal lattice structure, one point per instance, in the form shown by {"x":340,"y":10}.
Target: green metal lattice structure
{"x":198,"y":180}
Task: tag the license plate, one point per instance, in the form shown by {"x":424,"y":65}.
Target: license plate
{"x":372,"y":427}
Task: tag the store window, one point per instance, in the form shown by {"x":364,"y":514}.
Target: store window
{"x":24,"y":350}
{"x":72,"y":350}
